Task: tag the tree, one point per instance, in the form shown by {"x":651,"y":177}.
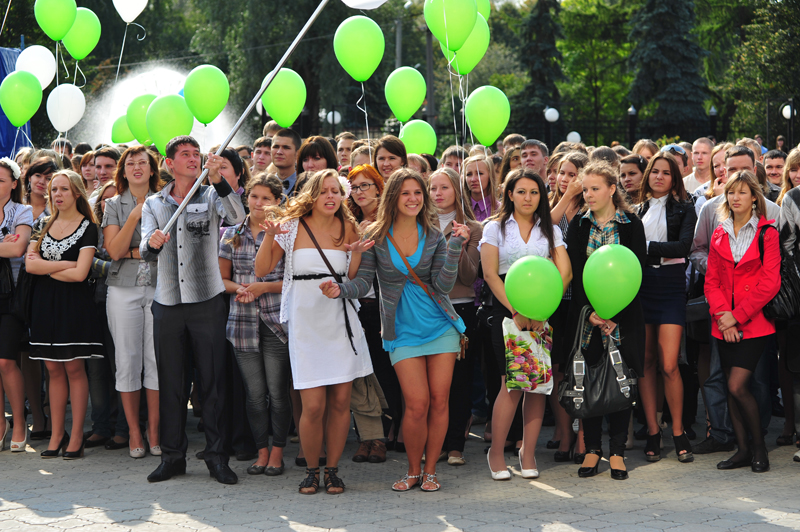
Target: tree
{"x":541,"y":58}
{"x":666,"y":64}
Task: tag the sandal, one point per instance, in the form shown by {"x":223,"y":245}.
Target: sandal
{"x":333,"y":484}
{"x":430,"y":478}
{"x":786,"y":440}
{"x":310,"y":484}
{"x":404,"y":482}
{"x":682,"y":444}
{"x":653,"y":446}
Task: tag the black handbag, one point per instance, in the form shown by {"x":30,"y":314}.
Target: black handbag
{"x":785,"y":304}
{"x":21,"y":303}
{"x":698,"y":319}
{"x":6,"y":279}
{"x":592,"y":391}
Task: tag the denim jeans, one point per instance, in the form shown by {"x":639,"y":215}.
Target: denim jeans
{"x":266,"y":382}
{"x":716,"y":393}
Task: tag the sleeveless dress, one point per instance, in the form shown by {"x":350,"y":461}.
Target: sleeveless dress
{"x":64,"y":318}
{"x":320,"y":349}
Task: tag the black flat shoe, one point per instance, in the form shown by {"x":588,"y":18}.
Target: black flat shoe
{"x":256,"y":469}
{"x":300,"y":462}
{"x":553,"y":444}
{"x":566,"y":456}
{"x":586,"y":472}
{"x":730,"y":464}
{"x":167,"y":470}
{"x":88,"y":443}
{"x":112,"y":445}
{"x":223,"y":474}
{"x":275,"y":471}
{"x":62,"y":445}
{"x":760,"y":466}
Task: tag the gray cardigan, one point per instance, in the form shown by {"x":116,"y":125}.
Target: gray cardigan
{"x":437,"y":268}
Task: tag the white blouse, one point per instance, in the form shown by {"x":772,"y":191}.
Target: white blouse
{"x":512,"y":247}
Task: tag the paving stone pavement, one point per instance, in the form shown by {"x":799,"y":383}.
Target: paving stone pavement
{"x":108,"y":491}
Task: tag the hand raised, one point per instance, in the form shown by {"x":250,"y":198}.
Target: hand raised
{"x":158,"y":239}
{"x":575,"y":188}
{"x":460,"y":230}
{"x":272,"y":228}
{"x":213,"y":164}
{"x":330,"y":289}
{"x":359,"y":246}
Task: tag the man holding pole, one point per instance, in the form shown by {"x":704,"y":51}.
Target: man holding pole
{"x":188,"y":309}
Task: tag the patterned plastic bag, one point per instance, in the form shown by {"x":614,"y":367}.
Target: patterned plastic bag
{"x":528,"y":364}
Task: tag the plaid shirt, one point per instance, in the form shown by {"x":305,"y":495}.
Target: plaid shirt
{"x":242,"y":328}
{"x":600,"y":236}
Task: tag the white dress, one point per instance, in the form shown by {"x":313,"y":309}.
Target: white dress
{"x":319,"y":347}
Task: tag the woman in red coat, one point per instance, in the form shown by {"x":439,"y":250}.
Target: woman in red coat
{"x":739,"y":282}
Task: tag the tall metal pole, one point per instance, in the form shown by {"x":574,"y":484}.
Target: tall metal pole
{"x":431,"y":107}
{"x":247,"y":111}
{"x":398,"y":43}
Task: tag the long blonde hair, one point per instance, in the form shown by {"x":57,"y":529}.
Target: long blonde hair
{"x":387,"y":209}
{"x":492,"y":185}
{"x":748,"y":179}
{"x":463,"y":208}
{"x":792,"y":161}
{"x":302,"y":204}
{"x":81,"y":203}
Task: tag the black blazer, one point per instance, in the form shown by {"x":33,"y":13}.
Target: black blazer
{"x":631,"y":319}
{"x":681,"y":221}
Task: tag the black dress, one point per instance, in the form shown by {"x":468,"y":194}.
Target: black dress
{"x":64,"y":319}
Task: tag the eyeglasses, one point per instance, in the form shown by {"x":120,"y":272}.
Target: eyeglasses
{"x":363,"y":187}
{"x":674,"y":149}
{"x":135,"y":164}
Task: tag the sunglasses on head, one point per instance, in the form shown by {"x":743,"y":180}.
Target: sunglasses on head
{"x":674,"y":149}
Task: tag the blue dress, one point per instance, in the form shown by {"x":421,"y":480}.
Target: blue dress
{"x":421,"y":326}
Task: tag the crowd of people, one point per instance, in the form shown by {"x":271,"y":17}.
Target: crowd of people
{"x":312,"y":284}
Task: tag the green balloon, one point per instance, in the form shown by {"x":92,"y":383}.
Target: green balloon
{"x":469,"y":55}
{"x":405,"y":92}
{"x":534,"y":287}
{"x":206,"y":91}
{"x":120,"y":132}
{"x":485,"y":8}
{"x":487,"y":113}
{"x":611,"y":279}
{"x":55,"y":17}
{"x":168,"y":117}
{"x":20,"y":97}
{"x":137,"y":117}
{"x":451,"y":21}
{"x":419,"y":137}
{"x":285,"y":97}
{"x":84,"y":34}
{"x":359,"y":45}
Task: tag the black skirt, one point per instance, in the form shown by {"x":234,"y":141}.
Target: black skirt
{"x":744,"y":354}
{"x":663,"y":295}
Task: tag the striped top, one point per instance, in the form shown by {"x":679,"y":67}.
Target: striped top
{"x":188,"y":267}
{"x":740,"y":244}
{"x":437,"y":268}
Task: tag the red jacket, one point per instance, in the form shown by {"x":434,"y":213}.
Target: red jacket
{"x":749,"y":285}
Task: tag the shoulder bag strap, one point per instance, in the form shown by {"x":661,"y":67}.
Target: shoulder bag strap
{"x":338,"y":280}
{"x":410,"y":269}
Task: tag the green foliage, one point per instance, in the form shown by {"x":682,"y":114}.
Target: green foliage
{"x":666,"y":60}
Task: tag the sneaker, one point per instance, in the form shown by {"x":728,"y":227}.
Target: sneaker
{"x":362,"y":454}
{"x":710,"y":445}
{"x":796,"y":456}
{"x":377,"y":453}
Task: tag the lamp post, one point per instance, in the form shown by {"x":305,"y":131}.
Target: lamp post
{"x":789,"y":112}
{"x":631,"y":125}
{"x":550,"y":116}
{"x":712,"y":115}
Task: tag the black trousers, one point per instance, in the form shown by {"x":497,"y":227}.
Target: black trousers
{"x":461,"y":387}
{"x":617,"y":432}
{"x":201,"y":326}
{"x":370,"y":317}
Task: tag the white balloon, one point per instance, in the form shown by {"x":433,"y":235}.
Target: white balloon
{"x":65,"y":107}
{"x":129,"y":9}
{"x":573,"y":136}
{"x":363,"y":4}
{"x":259,"y":107}
{"x":40,"y":62}
{"x":551,"y":115}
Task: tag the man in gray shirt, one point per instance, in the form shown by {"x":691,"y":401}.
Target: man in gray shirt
{"x":188,"y":308}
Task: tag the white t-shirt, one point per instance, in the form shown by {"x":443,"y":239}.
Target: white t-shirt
{"x":512,"y":247}
{"x":15,"y":214}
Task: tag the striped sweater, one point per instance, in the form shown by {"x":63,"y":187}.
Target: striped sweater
{"x":437,"y":268}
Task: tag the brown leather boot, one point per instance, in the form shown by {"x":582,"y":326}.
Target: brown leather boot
{"x":362,"y":454}
{"x":378,"y":452}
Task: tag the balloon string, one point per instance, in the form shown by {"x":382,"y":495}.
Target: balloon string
{"x":78,"y":69}
{"x":56,"y":63}
{"x":121,"y":52}
{"x":66,"y":76}
{"x":5,"y":17}
{"x":366,"y":116}
{"x":26,"y":135}
{"x":14,"y":148}
{"x":143,"y":37}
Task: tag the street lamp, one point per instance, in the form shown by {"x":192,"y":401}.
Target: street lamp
{"x":789,"y":112}
{"x":550,"y":116}
{"x":631,"y":125}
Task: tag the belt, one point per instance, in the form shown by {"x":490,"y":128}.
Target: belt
{"x":368,"y":300}
{"x":312,"y":276}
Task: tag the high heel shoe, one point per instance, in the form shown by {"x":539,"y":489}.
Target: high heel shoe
{"x":618,"y":474}
{"x":73,"y":455}
{"x":653,"y":446}
{"x":155,"y":450}
{"x":682,"y":444}
{"x":63,"y":445}
{"x":527,"y":473}
{"x":566,"y":456}
{"x":5,"y":433}
{"x":498,"y":475}
{"x":19,"y":446}
{"x":586,"y":472}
